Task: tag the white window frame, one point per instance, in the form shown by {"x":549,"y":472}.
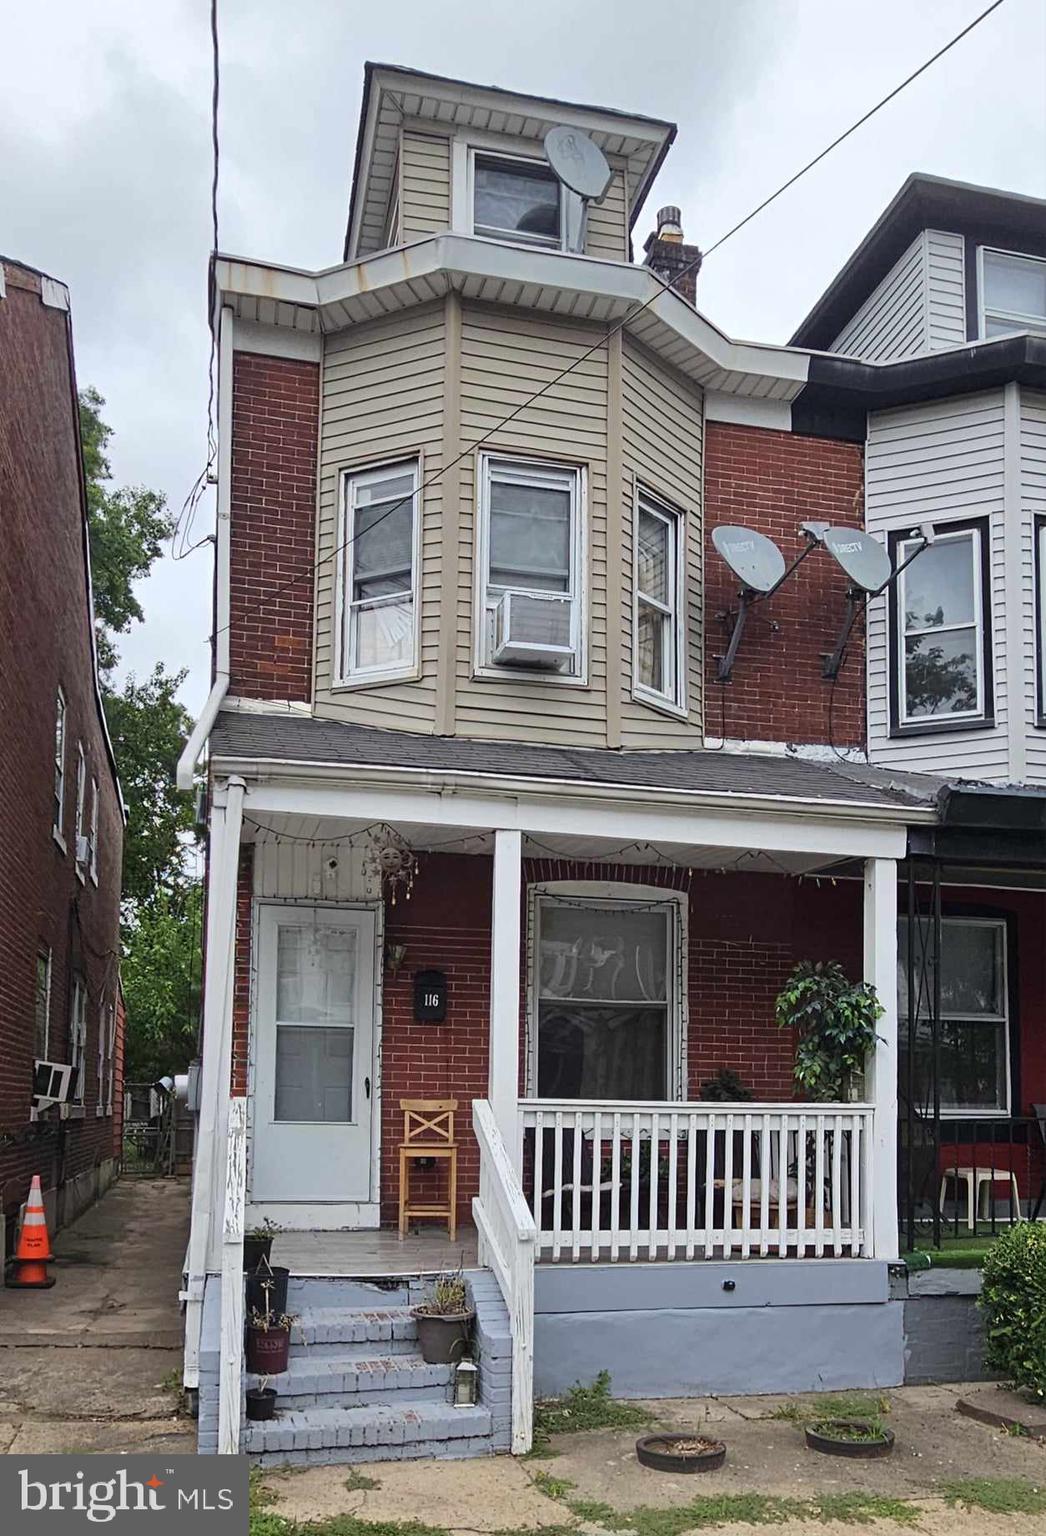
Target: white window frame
{"x":974,"y":533}
{"x":81,"y":806}
{"x":512,"y":237}
{"x":99,"y":1106}
{"x":949,"y":1112}
{"x":1021,"y":321}
{"x":60,"y":733}
{"x":617,"y":894}
{"x":93,"y":870}
{"x":541,"y":473}
{"x":112,"y":1058}
{"x":348,"y":674}
{"x":1039,"y":528}
{"x":673,"y":698}
{"x":43,"y":953}
{"x":78,"y":1037}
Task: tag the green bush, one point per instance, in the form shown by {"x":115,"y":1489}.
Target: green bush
{"x":1013,"y":1299}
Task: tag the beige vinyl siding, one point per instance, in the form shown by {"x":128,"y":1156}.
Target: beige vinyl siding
{"x":382,"y":399}
{"x":939,"y":462}
{"x":662,"y":440}
{"x":1032,"y":505}
{"x":505,"y":358}
{"x":607,"y":233}
{"x":424,"y":179}
{"x":945,"y":289}
{"x":891,"y":323}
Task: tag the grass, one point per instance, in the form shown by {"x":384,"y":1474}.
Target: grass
{"x":359,"y":1482}
{"x":997,"y":1495}
{"x":871,"y":1408}
{"x":584,"y":1408}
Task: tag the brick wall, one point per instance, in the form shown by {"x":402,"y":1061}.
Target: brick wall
{"x":45,"y":643}
{"x":773,"y":481}
{"x":272,"y":537}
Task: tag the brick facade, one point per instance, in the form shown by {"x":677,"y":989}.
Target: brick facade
{"x":45,"y":643}
{"x":273,"y":525}
{"x":773,"y":481}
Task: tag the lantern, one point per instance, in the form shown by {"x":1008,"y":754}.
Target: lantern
{"x":466,"y":1381}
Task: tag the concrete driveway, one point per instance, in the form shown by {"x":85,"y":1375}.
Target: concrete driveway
{"x":94,"y":1363}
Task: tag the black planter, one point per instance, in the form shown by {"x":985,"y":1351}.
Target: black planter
{"x":277,"y":1278}
{"x":255,"y":1249}
{"x":268,"y":1350}
{"x":659,"y":1453}
{"x":261,"y":1403}
{"x":443,"y":1339}
{"x":860,"y":1450}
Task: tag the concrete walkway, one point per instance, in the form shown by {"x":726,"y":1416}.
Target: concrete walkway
{"x":94,"y":1364}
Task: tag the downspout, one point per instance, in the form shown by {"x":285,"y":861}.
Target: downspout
{"x":220,"y":684}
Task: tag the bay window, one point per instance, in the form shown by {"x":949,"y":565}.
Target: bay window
{"x":972,"y":1048}
{"x":658,"y":670}
{"x":605,"y":987}
{"x":1013,"y":292}
{"x":380,"y":572}
{"x":942,"y":650}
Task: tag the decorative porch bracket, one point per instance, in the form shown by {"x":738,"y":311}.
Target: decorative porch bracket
{"x":880,"y":968}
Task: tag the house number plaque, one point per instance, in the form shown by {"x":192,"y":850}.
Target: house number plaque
{"x":430,"y":997}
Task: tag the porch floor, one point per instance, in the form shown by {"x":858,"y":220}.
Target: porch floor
{"x":375,"y":1252}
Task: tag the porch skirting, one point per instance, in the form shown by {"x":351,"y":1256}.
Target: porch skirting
{"x":684,"y":1330}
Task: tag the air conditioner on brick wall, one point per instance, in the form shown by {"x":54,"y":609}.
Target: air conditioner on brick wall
{"x":83,"y":850}
{"x":532,"y":630}
{"x":52,"y":1083}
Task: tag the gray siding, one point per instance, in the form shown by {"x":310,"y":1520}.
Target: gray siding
{"x":607,"y":233}
{"x":1032,"y":505}
{"x":939,"y":462}
{"x":919,"y":306}
{"x":424,"y":181}
{"x":662,"y":440}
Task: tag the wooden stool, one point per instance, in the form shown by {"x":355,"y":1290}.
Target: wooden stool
{"x":428,"y":1131}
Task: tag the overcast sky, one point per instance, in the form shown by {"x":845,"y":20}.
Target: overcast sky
{"x":105,"y":164}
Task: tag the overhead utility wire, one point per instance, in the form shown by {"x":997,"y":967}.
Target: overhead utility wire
{"x":614,"y":330}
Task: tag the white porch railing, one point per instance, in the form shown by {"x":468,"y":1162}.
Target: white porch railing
{"x":231,"y":1358}
{"x":725,"y":1179}
{"x":506,"y":1243}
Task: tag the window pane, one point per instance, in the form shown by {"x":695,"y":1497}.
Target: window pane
{"x":651,"y":638}
{"x":384,"y":634}
{"x":43,"y":1002}
{"x":654,"y":557}
{"x":382,"y":547}
{"x":972,"y":1065}
{"x":315,"y":975}
{"x":973,"y":975}
{"x":313,"y":1073}
{"x":587,"y":1051}
{"x":603,"y":953}
{"x":1015,"y":284}
{"x":519,"y":199}
{"x":529,"y":536}
{"x":938,"y":585}
{"x":941,"y":673}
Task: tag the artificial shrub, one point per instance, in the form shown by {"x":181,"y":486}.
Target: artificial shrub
{"x":1013,"y":1300}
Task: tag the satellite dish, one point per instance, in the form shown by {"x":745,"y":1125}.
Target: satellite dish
{"x":579,"y":163}
{"x":753,"y":558}
{"x":863,"y":558}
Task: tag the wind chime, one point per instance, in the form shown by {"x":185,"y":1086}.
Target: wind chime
{"x":390,"y":861}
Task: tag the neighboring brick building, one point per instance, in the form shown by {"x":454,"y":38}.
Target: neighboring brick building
{"x":59,"y":897}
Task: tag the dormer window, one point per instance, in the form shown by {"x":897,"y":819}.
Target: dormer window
{"x":516,"y":199}
{"x":1013,"y":293}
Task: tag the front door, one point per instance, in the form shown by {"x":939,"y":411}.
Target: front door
{"x":314,"y":1088}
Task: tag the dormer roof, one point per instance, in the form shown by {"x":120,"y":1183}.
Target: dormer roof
{"x":391,"y":93}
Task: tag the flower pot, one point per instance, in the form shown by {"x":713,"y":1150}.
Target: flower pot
{"x":850,"y":1437}
{"x":255,"y":1249}
{"x":444,"y":1338}
{"x":276,"y":1278}
{"x":680,"y":1452}
{"x":261,"y":1403}
{"x":268,"y":1350}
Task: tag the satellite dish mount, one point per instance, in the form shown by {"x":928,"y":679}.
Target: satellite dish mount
{"x":760,"y":565}
{"x":867,"y":565}
{"x":582,"y":168}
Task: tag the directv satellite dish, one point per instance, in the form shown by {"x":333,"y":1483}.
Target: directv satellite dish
{"x":863,"y":558}
{"x":582,"y":168}
{"x":753,"y":558}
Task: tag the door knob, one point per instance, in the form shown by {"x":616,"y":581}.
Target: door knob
{"x":366,"y":1086}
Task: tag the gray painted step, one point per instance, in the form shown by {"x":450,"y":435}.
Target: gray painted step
{"x":353,"y":1380}
{"x":338,"y":1325}
{"x":367,"y":1434}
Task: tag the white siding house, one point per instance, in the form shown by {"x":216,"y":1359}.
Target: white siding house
{"x":919,"y":306}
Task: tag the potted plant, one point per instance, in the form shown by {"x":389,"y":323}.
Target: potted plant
{"x":261,"y":1400}
{"x":257,"y":1243}
{"x":267,"y":1287}
{"x":268,"y":1341}
{"x":863,"y":1439}
{"x":834,"y":1019}
{"x":445,"y":1321}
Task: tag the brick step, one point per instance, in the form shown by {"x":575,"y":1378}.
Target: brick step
{"x":352,"y":1380}
{"x":316,"y":1435}
{"x":393,"y":1328}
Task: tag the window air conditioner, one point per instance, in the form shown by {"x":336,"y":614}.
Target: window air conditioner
{"x":52,"y":1083}
{"x":83,"y":850}
{"x":532,"y":630}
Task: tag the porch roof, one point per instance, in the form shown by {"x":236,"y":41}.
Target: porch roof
{"x":245,"y":738}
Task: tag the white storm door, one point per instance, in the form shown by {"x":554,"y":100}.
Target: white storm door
{"x":314,"y":1075}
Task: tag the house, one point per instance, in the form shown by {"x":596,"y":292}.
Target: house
{"x":486,"y":825}
{"x":61,"y":816}
{"x":950,"y":287}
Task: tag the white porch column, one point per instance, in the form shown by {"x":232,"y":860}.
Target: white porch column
{"x":503,"y":1081}
{"x":208,"y":1190}
{"x":880,"y":968}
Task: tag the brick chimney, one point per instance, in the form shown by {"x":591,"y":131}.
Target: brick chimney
{"x":669,"y":257}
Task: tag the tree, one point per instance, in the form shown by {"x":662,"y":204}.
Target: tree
{"x":161,"y":981}
{"x":127,"y":529}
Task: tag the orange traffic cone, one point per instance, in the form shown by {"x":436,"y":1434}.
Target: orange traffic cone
{"x":34,"y":1249}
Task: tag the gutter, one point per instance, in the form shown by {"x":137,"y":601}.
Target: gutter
{"x":220,"y":683}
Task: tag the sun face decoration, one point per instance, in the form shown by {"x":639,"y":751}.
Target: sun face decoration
{"x":391,"y":862}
